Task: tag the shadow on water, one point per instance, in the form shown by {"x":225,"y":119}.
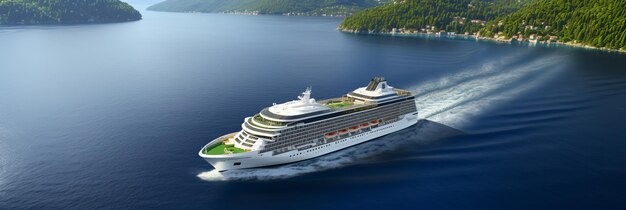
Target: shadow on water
{"x":366,"y":153}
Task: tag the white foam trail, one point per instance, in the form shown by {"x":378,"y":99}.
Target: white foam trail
{"x":452,"y":100}
{"x":470,"y":93}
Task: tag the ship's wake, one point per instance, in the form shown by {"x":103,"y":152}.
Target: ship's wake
{"x":456,"y":99}
{"x":451,"y":101}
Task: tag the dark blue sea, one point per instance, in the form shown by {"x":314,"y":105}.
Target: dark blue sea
{"x":112,"y":116}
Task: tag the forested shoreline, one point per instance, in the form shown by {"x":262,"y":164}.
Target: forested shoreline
{"x":587,"y":23}
{"x":30,"y":12}
{"x":271,"y":7}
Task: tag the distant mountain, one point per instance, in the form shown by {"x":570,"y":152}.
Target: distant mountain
{"x":26,"y":12}
{"x":297,"y":7}
{"x":598,"y":23}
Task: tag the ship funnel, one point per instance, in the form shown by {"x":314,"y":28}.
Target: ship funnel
{"x":306,"y":96}
{"x":374,"y":83}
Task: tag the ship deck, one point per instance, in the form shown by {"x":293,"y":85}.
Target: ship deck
{"x":344,"y":103}
{"x":338,"y":103}
{"x":222,"y":147}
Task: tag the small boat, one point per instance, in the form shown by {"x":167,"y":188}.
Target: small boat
{"x":354,"y":128}
{"x":343,"y":131}
{"x":375,"y":122}
{"x":365,"y":125}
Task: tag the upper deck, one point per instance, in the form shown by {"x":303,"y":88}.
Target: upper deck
{"x":270,"y":120}
{"x":377,"y":91}
{"x":348,"y":102}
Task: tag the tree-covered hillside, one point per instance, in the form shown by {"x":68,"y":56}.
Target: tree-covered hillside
{"x":600,"y":23}
{"x":199,"y":5}
{"x":450,"y":15}
{"x":307,"y":7}
{"x":24,"y":12}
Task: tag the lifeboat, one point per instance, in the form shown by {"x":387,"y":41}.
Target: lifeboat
{"x":344,"y":131}
{"x":354,"y":128}
{"x":375,"y":122}
{"x":330,"y":135}
{"x":365,"y":125}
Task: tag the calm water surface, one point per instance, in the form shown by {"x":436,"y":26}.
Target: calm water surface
{"x":113,"y":115}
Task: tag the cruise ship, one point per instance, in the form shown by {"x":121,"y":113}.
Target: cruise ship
{"x":305,"y":128}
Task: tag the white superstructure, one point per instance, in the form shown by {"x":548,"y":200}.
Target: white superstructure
{"x":304,"y":104}
{"x":306,"y":128}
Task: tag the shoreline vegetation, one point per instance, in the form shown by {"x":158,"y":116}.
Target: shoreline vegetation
{"x":46,"y":12}
{"x":331,"y":8}
{"x":591,"y":24}
{"x":416,"y":34}
{"x":256,"y":13}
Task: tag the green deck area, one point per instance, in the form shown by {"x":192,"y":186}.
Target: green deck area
{"x":339,"y":104}
{"x":222,"y":149}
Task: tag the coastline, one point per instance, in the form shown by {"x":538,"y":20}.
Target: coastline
{"x":68,"y":23}
{"x":281,"y":14}
{"x":256,"y":13}
{"x":480,"y":38}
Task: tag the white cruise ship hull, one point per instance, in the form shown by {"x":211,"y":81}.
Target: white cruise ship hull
{"x":254,"y":159}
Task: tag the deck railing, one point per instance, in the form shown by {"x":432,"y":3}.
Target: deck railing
{"x":261,"y":120}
